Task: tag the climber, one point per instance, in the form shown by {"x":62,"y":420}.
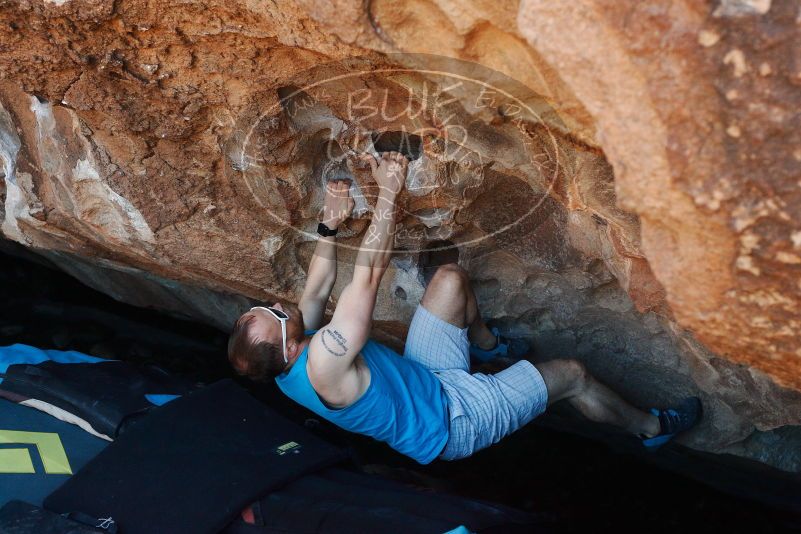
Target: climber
{"x":425,"y":404}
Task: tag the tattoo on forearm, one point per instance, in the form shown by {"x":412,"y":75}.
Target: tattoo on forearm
{"x":334,"y":342}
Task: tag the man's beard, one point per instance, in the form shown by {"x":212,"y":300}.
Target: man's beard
{"x":296,"y":315}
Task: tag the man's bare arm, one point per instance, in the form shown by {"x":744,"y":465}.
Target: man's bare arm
{"x":336,"y":345}
{"x":322,"y":273}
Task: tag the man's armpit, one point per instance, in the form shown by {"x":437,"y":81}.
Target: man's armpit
{"x":334,"y":342}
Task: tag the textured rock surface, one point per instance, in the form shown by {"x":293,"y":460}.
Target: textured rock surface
{"x":698,"y":109}
{"x":664,"y":249}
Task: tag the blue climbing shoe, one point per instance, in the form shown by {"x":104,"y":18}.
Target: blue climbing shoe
{"x":504,"y":347}
{"x":673,"y":421}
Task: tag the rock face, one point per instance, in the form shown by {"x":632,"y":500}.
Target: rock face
{"x":621,"y":178}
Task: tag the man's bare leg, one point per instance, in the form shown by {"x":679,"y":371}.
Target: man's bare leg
{"x":450,"y":297}
{"x":569,"y":380}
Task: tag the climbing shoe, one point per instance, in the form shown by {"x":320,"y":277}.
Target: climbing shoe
{"x":504,"y":347}
{"x":673,"y":421}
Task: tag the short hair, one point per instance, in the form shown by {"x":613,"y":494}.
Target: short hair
{"x":261,"y":359}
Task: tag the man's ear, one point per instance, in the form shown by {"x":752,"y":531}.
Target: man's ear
{"x":292,"y":347}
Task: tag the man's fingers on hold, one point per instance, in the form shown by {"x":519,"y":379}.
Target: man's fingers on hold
{"x":371,"y":160}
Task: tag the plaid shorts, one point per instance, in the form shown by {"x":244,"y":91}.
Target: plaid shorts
{"x":483,"y":408}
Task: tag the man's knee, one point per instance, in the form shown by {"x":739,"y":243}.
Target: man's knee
{"x":446,"y":295}
{"x":579,"y":376}
{"x":564,"y":378}
{"x":450,"y":279}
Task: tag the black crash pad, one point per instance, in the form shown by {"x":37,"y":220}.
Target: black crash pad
{"x":193,"y":464}
{"x":105,"y":394}
{"x":339,"y":501}
{"x":18,"y":517}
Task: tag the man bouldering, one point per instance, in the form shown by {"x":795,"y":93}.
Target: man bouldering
{"x":425,"y":404}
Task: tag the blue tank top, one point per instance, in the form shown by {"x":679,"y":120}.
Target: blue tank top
{"x":404,"y":405}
